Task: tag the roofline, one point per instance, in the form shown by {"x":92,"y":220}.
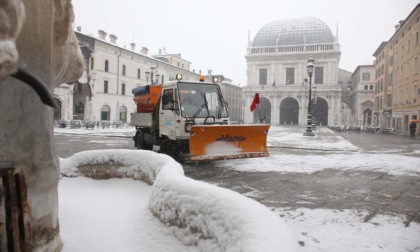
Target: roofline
{"x":382,"y":45}
{"x":409,"y":15}
{"x":360,"y":66}
{"x":131,"y":51}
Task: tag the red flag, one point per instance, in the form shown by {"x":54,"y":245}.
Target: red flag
{"x":255,"y":102}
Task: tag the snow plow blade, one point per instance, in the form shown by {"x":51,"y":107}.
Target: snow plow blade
{"x":218,"y":142}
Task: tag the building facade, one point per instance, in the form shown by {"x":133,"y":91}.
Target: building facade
{"x":233,"y":95}
{"x":276,"y":69}
{"x":397,"y":74}
{"x":363,"y":97}
{"x":103,"y":93}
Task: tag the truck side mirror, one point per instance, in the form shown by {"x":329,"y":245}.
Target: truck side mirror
{"x":226,"y":104}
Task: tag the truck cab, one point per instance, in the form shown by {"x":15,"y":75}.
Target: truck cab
{"x":181,"y":105}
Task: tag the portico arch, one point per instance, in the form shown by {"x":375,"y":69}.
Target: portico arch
{"x":263,"y":111}
{"x":320,"y":111}
{"x":289,"y":111}
{"x":367,"y":118}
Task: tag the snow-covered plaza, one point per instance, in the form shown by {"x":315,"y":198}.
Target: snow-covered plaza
{"x":115,"y":215}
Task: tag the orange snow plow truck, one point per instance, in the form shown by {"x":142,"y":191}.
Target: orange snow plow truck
{"x":190,"y":120}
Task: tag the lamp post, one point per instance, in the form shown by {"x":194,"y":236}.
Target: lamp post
{"x":310,"y":69}
{"x":152,"y":73}
{"x":314,"y":121}
{"x":147,"y":77}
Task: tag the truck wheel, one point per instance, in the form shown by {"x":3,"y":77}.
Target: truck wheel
{"x":139,"y":142}
{"x":171,"y":149}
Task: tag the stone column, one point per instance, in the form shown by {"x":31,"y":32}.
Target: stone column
{"x":48,"y":49}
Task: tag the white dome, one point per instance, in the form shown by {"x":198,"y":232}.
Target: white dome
{"x":305,"y":30}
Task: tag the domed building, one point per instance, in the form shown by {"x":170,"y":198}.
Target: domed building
{"x":276,"y":69}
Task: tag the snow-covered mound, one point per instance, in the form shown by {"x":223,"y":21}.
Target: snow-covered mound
{"x":199,"y":214}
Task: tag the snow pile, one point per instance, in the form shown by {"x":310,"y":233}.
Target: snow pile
{"x":216,"y":219}
{"x":132,"y":163}
{"x":198,"y":214}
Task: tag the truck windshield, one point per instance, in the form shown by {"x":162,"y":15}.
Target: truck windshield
{"x":201,"y":100}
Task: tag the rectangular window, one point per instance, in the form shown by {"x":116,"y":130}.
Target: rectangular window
{"x":400,"y":101}
{"x":123,"y":88}
{"x":106,"y":87}
{"x":407,"y":70}
{"x":401,"y":72}
{"x":415,"y":65}
{"x":290,"y":76}
{"x":389,"y":101}
{"x":263,"y":77}
{"x":319,"y":75}
{"x":366,"y":76}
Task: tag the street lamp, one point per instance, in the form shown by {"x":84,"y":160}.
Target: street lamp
{"x":310,"y":69}
{"x":147,"y":77}
{"x":152,"y":74}
{"x":314,"y":111}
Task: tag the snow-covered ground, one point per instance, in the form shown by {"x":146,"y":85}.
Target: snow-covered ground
{"x":344,"y":155}
{"x":114,"y":215}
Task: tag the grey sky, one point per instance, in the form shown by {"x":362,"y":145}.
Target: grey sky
{"x":213,"y":34}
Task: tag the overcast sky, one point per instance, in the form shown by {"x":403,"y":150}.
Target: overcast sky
{"x":213,"y":34}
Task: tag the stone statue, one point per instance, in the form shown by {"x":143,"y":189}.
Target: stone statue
{"x":12,"y":14}
{"x":36,"y":39}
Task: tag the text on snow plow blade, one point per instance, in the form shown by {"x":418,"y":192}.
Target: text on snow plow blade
{"x":217,"y":142}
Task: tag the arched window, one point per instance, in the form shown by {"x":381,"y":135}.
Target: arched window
{"x":106,"y":65}
{"x":138,"y":73}
{"x":123,"y":114}
{"x":123,"y":70}
{"x":105,"y":113}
